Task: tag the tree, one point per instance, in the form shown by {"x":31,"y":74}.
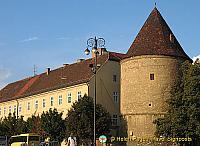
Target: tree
{"x":12,"y":125}
{"x":183,"y":117}
{"x":80,"y":119}
{"x":34,"y":125}
{"x":53,"y":125}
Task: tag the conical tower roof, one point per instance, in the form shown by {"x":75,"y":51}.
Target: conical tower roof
{"x":156,"y":38}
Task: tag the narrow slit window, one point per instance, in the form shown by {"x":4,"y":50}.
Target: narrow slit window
{"x":151,"y":76}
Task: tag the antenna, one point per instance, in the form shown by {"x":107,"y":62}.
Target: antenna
{"x":155,"y":4}
{"x":34,"y":70}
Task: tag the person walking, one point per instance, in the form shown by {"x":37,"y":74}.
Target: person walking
{"x":71,"y":141}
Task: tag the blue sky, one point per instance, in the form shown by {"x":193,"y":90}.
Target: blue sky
{"x":49,"y":33}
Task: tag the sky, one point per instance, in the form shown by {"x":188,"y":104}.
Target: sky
{"x":49,"y":33}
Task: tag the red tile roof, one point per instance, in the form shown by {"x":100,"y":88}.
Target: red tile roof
{"x":154,"y":39}
{"x":69,"y":75}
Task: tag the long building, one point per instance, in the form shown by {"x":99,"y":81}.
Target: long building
{"x":132,"y":86}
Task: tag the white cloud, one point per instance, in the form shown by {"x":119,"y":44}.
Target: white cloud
{"x":195,"y":58}
{"x":4,"y":74}
{"x":29,"y":39}
{"x":63,"y":38}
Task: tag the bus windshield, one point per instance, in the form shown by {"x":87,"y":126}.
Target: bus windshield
{"x":18,"y":139}
{"x":24,"y":138}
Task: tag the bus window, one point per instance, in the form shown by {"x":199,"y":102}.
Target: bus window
{"x":18,"y":139}
{"x":34,"y":138}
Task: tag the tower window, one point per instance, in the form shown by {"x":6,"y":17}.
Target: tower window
{"x":114,"y":120}
{"x":151,"y":76}
{"x":115,"y":96}
{"x":114,"y":78}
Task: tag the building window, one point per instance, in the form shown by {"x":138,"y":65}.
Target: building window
{"x":51,"y":101}
{"x":0,"y":111}
{"x":28,"y":106}
{"x":4,"y":111}
{"x":114,"y":120}
{"x":79,"y":95}
{"x":114,"y":78}
{"x":43,"y":103}
{"x":150,"y":104}
{"x":151,"y":76}
{"x":15,"y":109}
{"x":36,"y":104}
{"x":69,"y":97}
{"x":10,"y":109}
{"x":20,"y":108}
{"x":115,"y":96}
{"x":60,"y":100}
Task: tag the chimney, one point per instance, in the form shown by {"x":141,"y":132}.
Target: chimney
{"x":80,"y":60}
{"x":64,"y":65}
{"x":101,"y":51}
{"x":48,"y":71}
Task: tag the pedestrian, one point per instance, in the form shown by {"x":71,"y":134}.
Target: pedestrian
{"x":71,"y":141}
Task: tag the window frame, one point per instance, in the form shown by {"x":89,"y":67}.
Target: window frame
{"x":115,"y":78}
{"x":20,"y":108}
{"x":10,"y":109}
{"x":43,"y":103}
{"x":115,"y":96}
{"x":79,"y":95}
{"x":69,"y":96}
{"x":36,"y":103}
{"x":51,"y":101}
{"x":60,"y":100}
{"x":152,"y":76}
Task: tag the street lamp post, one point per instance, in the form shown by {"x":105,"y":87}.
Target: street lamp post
{"x":94,"y":43}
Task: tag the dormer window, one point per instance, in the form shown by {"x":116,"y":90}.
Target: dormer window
{"x":171,"y":38}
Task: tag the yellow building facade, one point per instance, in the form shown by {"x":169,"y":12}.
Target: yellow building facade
{"x":63,"y":96}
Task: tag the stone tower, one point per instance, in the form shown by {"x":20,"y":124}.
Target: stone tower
{"x":147,"y":74}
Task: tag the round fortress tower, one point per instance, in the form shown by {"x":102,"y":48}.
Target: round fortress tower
{"x":147,"y":74}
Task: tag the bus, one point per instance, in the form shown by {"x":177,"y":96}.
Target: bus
{"x":29,"y":139}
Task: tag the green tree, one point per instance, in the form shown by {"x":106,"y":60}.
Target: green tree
{"x":12,"y":125}
{"x":53,"y":125}
{"x":80,"y":119}
{"x":183,"y":117}
{"x":34,"y":125}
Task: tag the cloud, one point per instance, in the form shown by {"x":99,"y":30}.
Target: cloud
{"x":195,"y":58}
{"x":4,"y":74}
{"x":29,"y":39}
{"x":2,"y":85}
{"x":63,"y":38}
